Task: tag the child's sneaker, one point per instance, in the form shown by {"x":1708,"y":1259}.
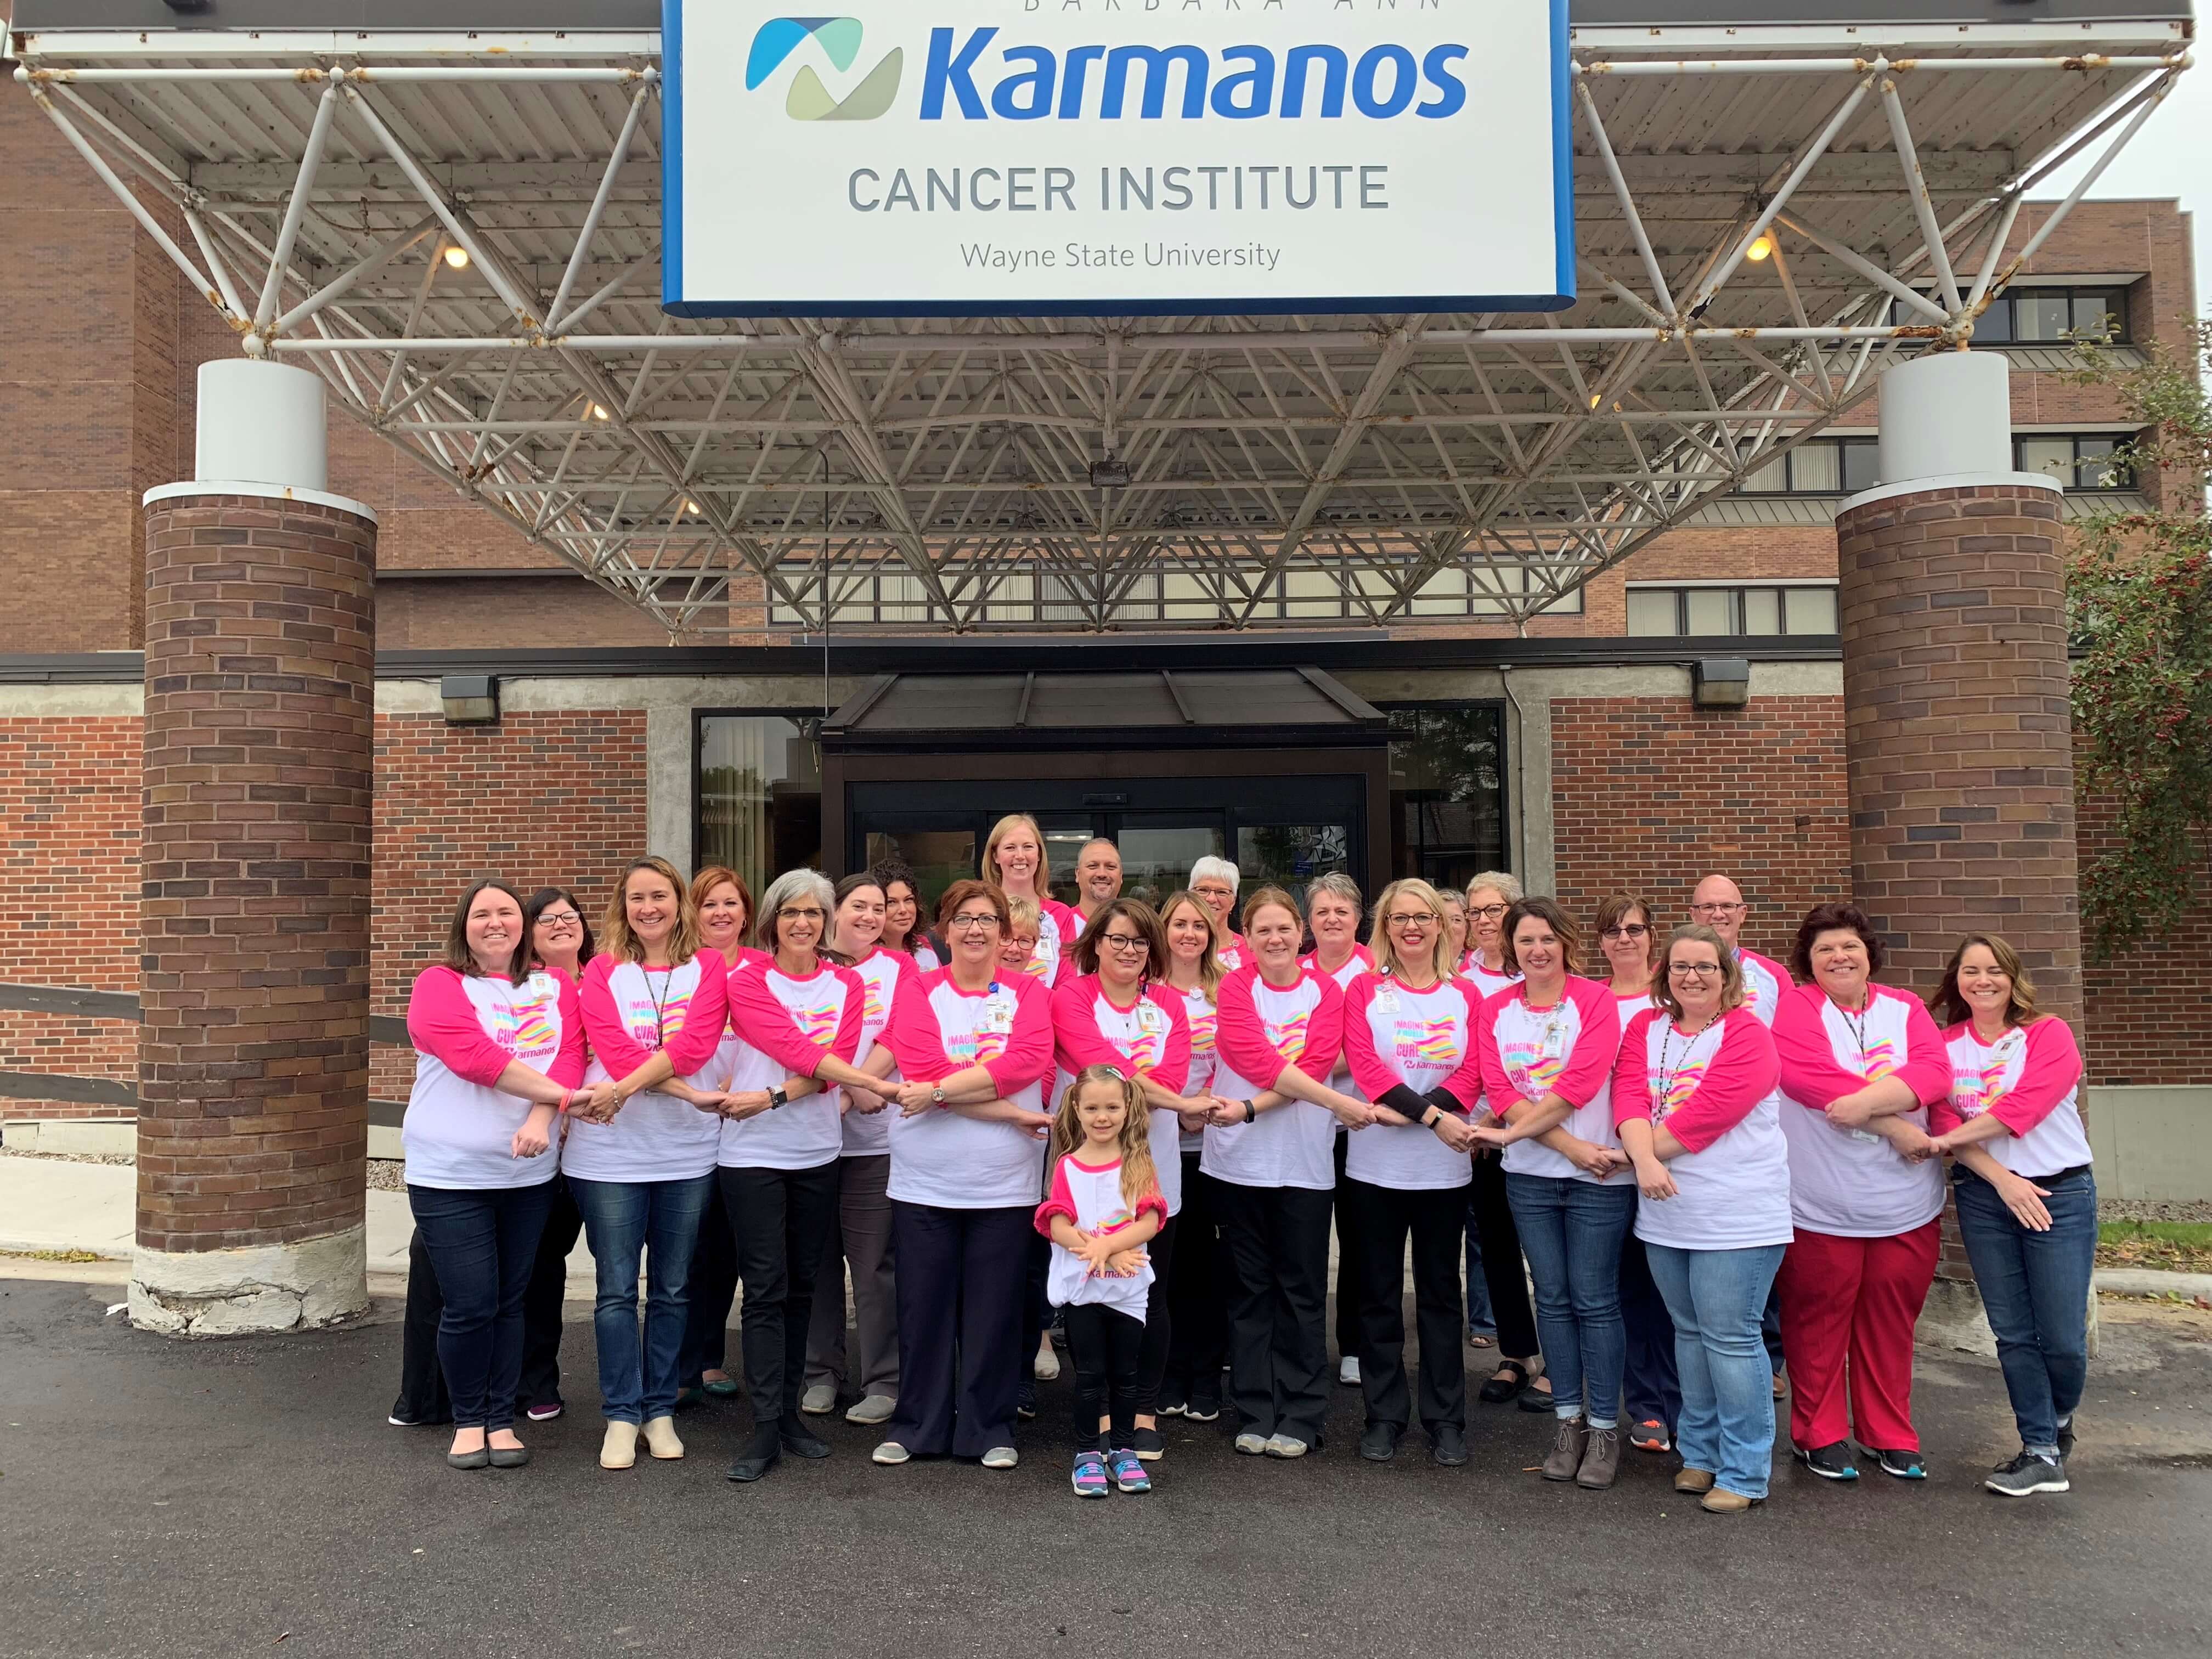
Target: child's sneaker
{"x":1089,"y":1479}
{"x":1129,"y":1471}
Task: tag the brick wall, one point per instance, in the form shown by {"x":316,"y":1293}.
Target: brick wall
{"x":2150,"y":1009}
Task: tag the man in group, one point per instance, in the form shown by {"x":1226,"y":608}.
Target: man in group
{"x":1215,"y":880}
{"x":1097,"y":877}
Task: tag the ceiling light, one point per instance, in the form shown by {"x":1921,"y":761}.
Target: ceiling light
{"x":1109,"y":472}
{"x":1761,"y":246}
{"x":598,"y":411}
{"x":457,"y":257}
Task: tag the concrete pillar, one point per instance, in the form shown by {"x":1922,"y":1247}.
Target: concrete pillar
{"x":253,"y":1052}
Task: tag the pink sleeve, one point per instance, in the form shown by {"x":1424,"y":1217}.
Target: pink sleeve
{"x":1741,"y":1075}
{"x":1369,"y":1070}
{"x":1238,"y":1038}
{"x":705,"y":1019}
{"x":1174,"y":1069}
{"x":443,"y":1022}
{"x":1077,"y":1040}
{"x":1596,"y":1046}
{"x":1324,"y":1032}
{"x":1488,"y":1061}
{"x":917,"y":1042}
{"x":1810,"y":1075}
{"x":1927,"y":1068}
{"x":1943,"y":1114}
{"x":1464,"y":1085}
{"x":847,"y":1042}
{"x":1631,"y":1069}
{"x":568,"y":1066}
{"x":1058,"y":1201}
{"x":602,"y":1026}
{"x":1155,"y":1203}
{"x":1029,"y":1046}
{"x":2048,"y":1073}
{"x":759,"y":1016}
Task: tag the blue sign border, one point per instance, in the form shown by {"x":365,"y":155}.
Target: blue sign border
{"x":673,"y":302}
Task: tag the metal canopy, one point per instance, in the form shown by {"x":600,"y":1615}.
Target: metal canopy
{"x":460,"y":231}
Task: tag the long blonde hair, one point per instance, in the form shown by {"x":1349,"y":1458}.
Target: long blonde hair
{"x":617,"y":940}
{"x":1141,"y":1178}
{"x":1209,"y":965}
{"x":1004,"y":827}
{"x":1384,"y":943}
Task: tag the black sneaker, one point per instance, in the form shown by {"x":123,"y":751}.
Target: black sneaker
{"x":1025,"y":1402}
{"x":2066,"y":1440}
{"x":1830,"y":1462}
{"x":1203,"y":1407}
{"x":1379,"y":1443}
{"x":1447,"y":1445}
{"x":2029,"y":1473}
{"x":1172,"y":1403}
{"x":1148,"y":1445}
{"x":1904,"y":1465}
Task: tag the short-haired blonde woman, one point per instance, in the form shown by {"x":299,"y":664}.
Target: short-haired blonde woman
{"x":1409,"y":1037}
{"x":1694,"y":1095}
{"x":2027,"y":1197}
{"x":1014,"y":861}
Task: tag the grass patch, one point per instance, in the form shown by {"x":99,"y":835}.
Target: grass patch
{"x":2172,"y":1246}
{"x":52,"y":1255}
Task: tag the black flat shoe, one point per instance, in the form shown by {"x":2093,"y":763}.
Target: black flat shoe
{"x":509,"y":1457}
{"x":1499,"y":1390}
{"x":1379,"y":1443}
{"x":1534,"y":1399}
{"x":1447,"y":1446}
{"x":802,"y":1442}
{"x":478,"y":1459}
{"x":754,"y":1463}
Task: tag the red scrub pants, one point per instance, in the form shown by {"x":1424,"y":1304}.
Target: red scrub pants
{"x":1850,"y":1304}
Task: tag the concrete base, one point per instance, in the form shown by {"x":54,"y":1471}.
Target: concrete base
{"x":110,"y":1137}
{"x":1954,"y":1318}
{"x":2149,"y":1142}
{"x":265,"y":1288}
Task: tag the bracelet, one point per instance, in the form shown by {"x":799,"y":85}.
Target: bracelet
{"x":1251,"y":1112}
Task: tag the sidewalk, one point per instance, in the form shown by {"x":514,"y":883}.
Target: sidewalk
{"x":50,"y":1204}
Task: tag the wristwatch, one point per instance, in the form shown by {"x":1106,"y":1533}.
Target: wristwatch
{"x":937,"y":1096}
{"x":1429,"y":1118}
{"x":777,"y":1097}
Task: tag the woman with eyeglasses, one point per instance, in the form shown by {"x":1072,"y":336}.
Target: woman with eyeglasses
{"x":903,"y":930}
{"x":1548,"y":1047}
{"x":2027,"y":1197}
{"x":1268,"y":1150}
{"x":1861,"y":1063}
{"x":974,"y":1048}
{"x":1410,"y":1034}
{"x":1490,"y":1216}
{"x":1197,"y":1297}
{"x":1651,"y":1394}
{"x":1014,"y":861}
{"x":724,"y":906}
{"x":654,"y":1003}
{"x":1116,"y":1008}
{"x":1213,"y":883}
{"x":1693,"y":1095}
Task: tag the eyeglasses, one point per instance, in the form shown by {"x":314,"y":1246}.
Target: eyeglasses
{"x":1693,"y":969}
{"x":1717,"y":909}
{"x":560,"y":919}
{"x":1628,"y":930}
{"x":1487,"y":912}
{"x":982,"y":922}
{"x":793,"y":912}
{"x":1122,"y":944}
{"x":1418,"y":919}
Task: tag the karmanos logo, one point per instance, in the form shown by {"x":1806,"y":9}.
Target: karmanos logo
{"x":840,"y":40}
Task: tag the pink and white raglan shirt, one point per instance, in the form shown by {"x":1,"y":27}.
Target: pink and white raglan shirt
{"x":1765,"y":983}
{"x":1393,"y":1034}
{"x":1260,"y":1031}
{"x":1715,"y":1091}
{"x":1231,"y":953}
{"x":785,"y":1022}
{"x":868,"y":1134}
{"x":631,"y":1012}
{"x":1057,"y":928}
{"x":1149,"y":1038}
{"x":1090,"y":1196}
{"x":1567,"y":1050}
{"x":939,"y":1157}
{"x":459,"y":1128}
{"x":1852,"y":1182}
{"x":2030,"y":1081}
{"x":1361,"y":961}
{"x":1199,"y":1014}
{"x":1487,"y":982}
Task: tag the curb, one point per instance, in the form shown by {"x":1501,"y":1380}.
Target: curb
{"x":2150,"y":1281}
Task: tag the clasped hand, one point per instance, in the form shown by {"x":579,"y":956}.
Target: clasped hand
{"x":1107,"y":1258}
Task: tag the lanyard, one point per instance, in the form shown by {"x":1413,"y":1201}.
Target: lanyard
{"x":1669,"y":1072}
{"x":659,"y":1005}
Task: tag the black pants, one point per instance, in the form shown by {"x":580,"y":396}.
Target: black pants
{"x":1159,"y":1321}
{"x":961,"y":1277}
{"x":1651,"y":1390}
{"x":1348,"y":1277}
{"x":1037,"y":1311}
{"x":1277,"y":1238}
{"x":1384,"y":1217}
{"x":483,"y":1244}
{"x":1198,"y":1289}
{"x":1106,"y":1346}
{"x":1502,"y":1269}
{"x":422,"y":1397}
{"x":541,"y":1303}
{"x":713,"y":1285}
{"x":780,"y":1225}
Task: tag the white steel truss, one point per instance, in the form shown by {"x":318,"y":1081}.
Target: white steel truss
{"x":462,"y":236}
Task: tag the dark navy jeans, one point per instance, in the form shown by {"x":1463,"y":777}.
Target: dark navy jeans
{"x":483,"y":1244}
{"x":2035,"y":1286}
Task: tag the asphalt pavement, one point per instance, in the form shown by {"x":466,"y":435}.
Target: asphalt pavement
{"x":246,"y":1497}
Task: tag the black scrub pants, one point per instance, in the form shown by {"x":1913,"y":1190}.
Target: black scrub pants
{"x":1384,"y":1218}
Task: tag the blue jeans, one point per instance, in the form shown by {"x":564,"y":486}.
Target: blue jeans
{"x":483,"y":1244}
{"x":2035,"y":1287}
{"x":1479,"y":1319}
{"x":622,"y":1218}
{"x":1571,"y":1232}
{"x":1717,"y":1299}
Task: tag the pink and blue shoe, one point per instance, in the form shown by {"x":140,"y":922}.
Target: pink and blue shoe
{"x":1090,"y":1476}
{"x":1128,"y":1472}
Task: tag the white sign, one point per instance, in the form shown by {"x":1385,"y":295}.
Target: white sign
{"x":1101,"y":157}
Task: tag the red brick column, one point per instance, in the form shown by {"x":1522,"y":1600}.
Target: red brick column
{"x":254,"y":1053}
{"x":1958,"y":739}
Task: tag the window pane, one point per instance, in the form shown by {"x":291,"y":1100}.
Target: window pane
{"x":900,"y":597}
{"x":1185,"y":598}
{"x":1447,"y":792}
{"x":2094,"y":468}
{"x":1651,"y":610}
{"x":760,"y":795}
{"x":938,"y":858}
{"x":1814,"y":469}
{"x":1860,"y":460}
{"x":2041,"y":316}
{"x":1994,"y":326}
{"x":2051,"y":455}
{"x":2099,"y":311}
{"x":1712,"y":609}
{"x":1443,"y":594}
{"x":1290,"y":855}
{"x":1762,"y":611}
{"x":1311,"y":593}
{"x":1811,"y":610}
{"x":1014,"y":600}
{"x":1771,"y":479}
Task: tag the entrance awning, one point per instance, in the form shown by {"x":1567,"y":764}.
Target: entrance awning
{"x":1287,"y":708}
{"x":459,"y":228}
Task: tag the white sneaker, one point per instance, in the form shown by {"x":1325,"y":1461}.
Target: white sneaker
{"x":1251,"y":1444}
{"x":1287,"y":1445}
{"x":618,"y":1450}
{"x":874,"y":1408}
{"x":1001,"y":1457}
{"x":1347,"y":1371}
{"x":1047,"y":1368}
{"x":819,"y":1399}
{"x":659,"y":1436}
{"x":890,"y":1452}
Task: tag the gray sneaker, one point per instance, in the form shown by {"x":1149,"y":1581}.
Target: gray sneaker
{"x":2028,"y":1473}
{"x":874,"y":1408}
{"x":1001,"y":1457}
{"x":890,"y":1452}
{"x":1252,"y":1445}
{"x":1287,"y":1445}
{"x":819,"y":1399}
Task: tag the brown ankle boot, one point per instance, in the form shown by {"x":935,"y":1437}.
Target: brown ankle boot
{"x":1601,"y":1460}
{"x":1567,"y":1456}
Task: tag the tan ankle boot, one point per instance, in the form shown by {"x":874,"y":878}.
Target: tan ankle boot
{"x":660,"y":1437}
{"x":1694,"y":1481}
{"x":1720,"y":1501}
{"x":619,"y":1449}
{"x":1567,"y":1456}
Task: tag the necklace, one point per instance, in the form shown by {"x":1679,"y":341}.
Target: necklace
{"x":659,"y":1004}
{"x":1668,"y":1072}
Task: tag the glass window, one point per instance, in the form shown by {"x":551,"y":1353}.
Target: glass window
{"x":2040,"y":316}
{"x":759,"y":793}
{"x":1762,"y":611}
{"x":1709,"y":611}
{"x":1311,"y":593}
{"x":1994,"y":326}
{"x":1447,"y":791}
{"x":1816,"y":469}
{"x":1443,"y":594}
{"x":1185,"y":598}
{"x":1156,"y":855}
{"x":938,"y":858}
{"x":1651,"y":611}
{"x":1770,"y":479}
{"x":1014,"y":598}
{"x":1810,"y":610}
{"x":2099,"y":311}
{"x":1290,"y":855}
{"x":2051,"y":455}
{"x":2094,"y":467}
{"x":1861,"y":457}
